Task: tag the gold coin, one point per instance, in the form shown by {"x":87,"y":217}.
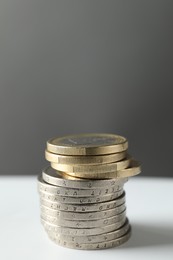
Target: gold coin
{"x":132,"y":170}
{"x":87,"y":144}
{"x":97,"y":159}
{"x":87,"y":169}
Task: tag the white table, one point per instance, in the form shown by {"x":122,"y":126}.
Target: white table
{"x":149,"y":208}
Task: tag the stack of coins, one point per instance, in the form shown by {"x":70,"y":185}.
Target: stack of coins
{"x":81,"y":194}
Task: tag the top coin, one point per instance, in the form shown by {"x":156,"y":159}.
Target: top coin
{"x":87,"y":144}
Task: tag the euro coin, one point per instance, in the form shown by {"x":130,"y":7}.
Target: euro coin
{"x":92,"y":160}
{"x":82,"y":171}
{"x":62,"y":179}
{"x":91,"y":246}
{"x":87,"y":144}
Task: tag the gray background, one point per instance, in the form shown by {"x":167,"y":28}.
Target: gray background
{"x":85,"y":66}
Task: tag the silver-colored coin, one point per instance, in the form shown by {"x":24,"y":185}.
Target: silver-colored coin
{"x":90,"y":246}
{"x":95,"y":238}
{"x":82,"y":231}
{"x":54,"y":177}
{"x":79,"y":200}
{"x":71,"y":192}
{"x":83,"y":223}
{"x":95,"y":207}
{"x":81,"y":215}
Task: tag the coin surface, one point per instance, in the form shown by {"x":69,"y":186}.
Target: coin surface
{"x":72,"y":160}
{"x":57,"y":178}
{"x":91,"y":246}
{"x":95,"y":207}
{"x":87,"y":144}
{"x":83,"y":171}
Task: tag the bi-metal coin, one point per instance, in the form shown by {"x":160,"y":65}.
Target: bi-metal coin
{"x":87,"y":144}
{"x":133,"y":169}
{"x":89,"y":160}
{"x":83,"y":171}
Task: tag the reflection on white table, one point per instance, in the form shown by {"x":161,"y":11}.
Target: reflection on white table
{"x":149,"y":208}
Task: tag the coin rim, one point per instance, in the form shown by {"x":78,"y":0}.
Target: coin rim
{"x":80,"y":170}
{"x":65,"y":180}
{"x":133,"y":170}
{"x":77,"y":239}
{"x":84,"y":160}
{"x":94,"y":207}
{"x":94,"y":246}
{"x":83,"y":150}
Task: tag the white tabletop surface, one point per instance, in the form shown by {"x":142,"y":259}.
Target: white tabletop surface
{"x":149,"y":209}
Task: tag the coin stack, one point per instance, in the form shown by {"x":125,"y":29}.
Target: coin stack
{"x":81,"y":194}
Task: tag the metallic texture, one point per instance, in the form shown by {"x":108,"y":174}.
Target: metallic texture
{"x":87,"y":144}
{"x":82,"y":198}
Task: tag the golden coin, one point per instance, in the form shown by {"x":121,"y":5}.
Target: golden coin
{"x":89,"y":169}
{"x":97,"y":159}
{"x":132,"y":170}
{"x":87,"y":144}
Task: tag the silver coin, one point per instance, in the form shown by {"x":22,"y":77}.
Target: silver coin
{"x":94,"y":238}
{"x":71,"y":192}
{"x":83,"y":231}
{"x":54,"y":177}
{"x":82,"y":215}
{"x":90,"y":246}
{"x":95,"y":207}
{"x":79,"y":200}
{"x":83,"y":223}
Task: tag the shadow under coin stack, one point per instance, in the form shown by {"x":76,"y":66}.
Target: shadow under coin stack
{"x":81,"y":194}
